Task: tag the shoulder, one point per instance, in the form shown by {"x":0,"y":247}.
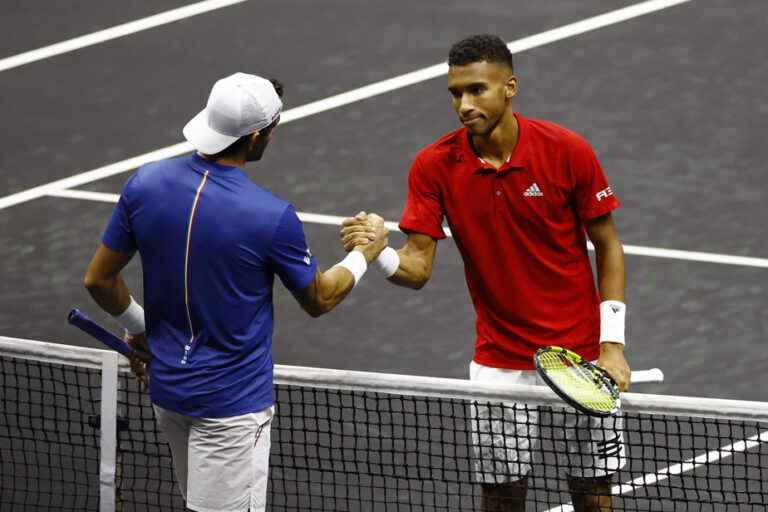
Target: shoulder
{"x":155,"y":173}
{"x":258,"y":202}
{"x":263,"y":199}
{"x":443,"y":149}
{"x":165,"y":166}
{"x":549,"y":133}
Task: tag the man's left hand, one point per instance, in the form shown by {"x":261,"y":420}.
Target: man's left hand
{"x":613,"y":361}
{"x":138,"y":367}
{"x":357,"y":230}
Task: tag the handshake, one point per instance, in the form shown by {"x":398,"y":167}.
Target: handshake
{"x":365,"y":232}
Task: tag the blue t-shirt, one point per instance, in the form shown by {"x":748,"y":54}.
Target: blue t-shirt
{"x":211,"y":242}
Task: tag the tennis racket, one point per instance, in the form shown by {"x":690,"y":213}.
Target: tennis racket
{"x":82,"y":322}
{"x":582,"y":384}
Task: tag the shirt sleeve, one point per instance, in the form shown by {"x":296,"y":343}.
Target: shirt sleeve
{"x":118,"y":234}
{"x":289,"y":255}
{"x":423,"y":211}
{"x":593,"y":196}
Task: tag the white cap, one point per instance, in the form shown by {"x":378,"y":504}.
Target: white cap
{"x":238,"y":105}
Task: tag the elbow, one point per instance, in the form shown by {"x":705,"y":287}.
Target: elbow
{"x":314,"y":312}
{"x":419,"y":284}
{"x":95,"y":284}
{"x":318,"y":309}
{"x":91,"y":283}
{"x":420,"y":280}
{"x":409,"y":281}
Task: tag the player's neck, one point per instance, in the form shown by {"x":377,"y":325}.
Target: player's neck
{"x":232,"y":161}
{"x":497,"y":147}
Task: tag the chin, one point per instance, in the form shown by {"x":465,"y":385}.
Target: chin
{"x":478,"y":130}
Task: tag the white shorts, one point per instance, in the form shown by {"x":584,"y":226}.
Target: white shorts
{"x":221,"y":464}
{"x":505,"y":438}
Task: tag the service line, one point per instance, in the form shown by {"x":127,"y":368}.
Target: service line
{"x":335,"y":220}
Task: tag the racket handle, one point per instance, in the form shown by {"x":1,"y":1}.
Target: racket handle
{"x":85,"y":324}
{"x":652,"y":375}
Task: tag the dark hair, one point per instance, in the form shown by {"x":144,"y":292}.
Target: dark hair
{"x":237,"y":147}
{"x":480,"y":48}
{"x":278,"y":85}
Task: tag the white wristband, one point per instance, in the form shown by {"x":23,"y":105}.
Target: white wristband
{"x":388,"y":261}
{"x":132,"y":319}
{"x":354,"y":262}
{"x":612,"y":321}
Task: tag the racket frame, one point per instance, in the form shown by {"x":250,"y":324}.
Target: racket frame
{"x":595,"y":370}
{"x":85,"y":324}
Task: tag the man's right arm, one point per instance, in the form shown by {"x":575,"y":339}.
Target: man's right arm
{"x":325,"y":291}
{"x":329,"y":288}
{"x":411,"y":266}
{"x":416,"y":257}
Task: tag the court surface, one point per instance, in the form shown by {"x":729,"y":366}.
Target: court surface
{"x":673,"y":102}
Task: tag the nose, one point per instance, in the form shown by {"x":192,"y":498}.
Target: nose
{"x":465,"y":106}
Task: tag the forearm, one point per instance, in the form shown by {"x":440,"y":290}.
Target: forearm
{"x":110,"y":293}
{"x":415,"y":269}
{"x":611,"y":276}
{"x":411,"y":266}
{"x":611,"y":279}
{"x":328,"y":289}
{"x":336,"y":283}
{"x":611,"y":283}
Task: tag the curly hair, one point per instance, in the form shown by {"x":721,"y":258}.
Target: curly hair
{"x":480,"y":48}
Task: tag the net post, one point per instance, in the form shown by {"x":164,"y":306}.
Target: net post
{"x":108,"y":442}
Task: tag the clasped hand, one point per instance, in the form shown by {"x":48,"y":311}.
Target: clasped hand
{"x":364,"y":232}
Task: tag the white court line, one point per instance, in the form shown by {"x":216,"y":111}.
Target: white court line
{"x":108,"y":34}
{"x":335,"y":220}
{"x":94,"y":175}
{"x":346,"y":98}
{"x":683,"y":467}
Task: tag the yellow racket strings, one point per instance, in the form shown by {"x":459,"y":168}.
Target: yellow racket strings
{"x":580,"y":383}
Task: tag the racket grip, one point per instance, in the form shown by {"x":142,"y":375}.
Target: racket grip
{"x":85,"y":324}
{"x":652,"y":375}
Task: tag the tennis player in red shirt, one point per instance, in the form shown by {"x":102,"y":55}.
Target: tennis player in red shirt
{"x":520,"y":197}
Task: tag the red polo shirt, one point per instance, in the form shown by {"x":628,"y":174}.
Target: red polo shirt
{"x":520,"y":231}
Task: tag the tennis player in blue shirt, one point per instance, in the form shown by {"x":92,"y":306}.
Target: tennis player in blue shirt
{"x":211,"y":242}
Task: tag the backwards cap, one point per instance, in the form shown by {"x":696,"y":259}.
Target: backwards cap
{"x":238,"y":105}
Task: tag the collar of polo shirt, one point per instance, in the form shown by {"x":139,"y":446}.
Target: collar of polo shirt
{"x":517,"y":161}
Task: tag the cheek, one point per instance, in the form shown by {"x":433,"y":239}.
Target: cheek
{"x":489,"y":106}
{"x":497,"y":103}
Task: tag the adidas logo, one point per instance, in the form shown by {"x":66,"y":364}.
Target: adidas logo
{"x":533,"y":191}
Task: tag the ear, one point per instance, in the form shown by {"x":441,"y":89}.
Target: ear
{"x":254,"y":140}
{"x":510,"y":88}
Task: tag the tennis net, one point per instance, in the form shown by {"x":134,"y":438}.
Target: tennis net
{"x":76,"y":433}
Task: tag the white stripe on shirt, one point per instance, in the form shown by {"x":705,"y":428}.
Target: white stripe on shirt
{"x":188,"y":346}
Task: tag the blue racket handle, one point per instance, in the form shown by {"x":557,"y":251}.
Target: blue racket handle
{"x":82,"y":322}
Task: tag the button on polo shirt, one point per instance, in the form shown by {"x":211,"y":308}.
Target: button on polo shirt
{"x":520,"y":231}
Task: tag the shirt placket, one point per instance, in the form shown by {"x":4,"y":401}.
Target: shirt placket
{"x":501,"y":208}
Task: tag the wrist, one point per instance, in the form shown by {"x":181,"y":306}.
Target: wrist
{"x":388,"y":261}
{"x":356,"y":262}
{"x":132,"y":318}
{"x":366,"y":251}
{"x":612,"y":323}
{"x":610,"y":347}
